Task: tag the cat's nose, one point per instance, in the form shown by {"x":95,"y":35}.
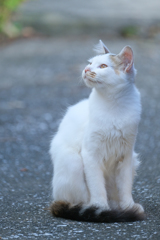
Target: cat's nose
{"x":87,"y":70}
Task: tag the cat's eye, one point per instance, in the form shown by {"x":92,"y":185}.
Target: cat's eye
{"x":103,"y":66}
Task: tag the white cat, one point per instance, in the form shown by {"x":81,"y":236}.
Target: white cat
{"x":93,"y":151}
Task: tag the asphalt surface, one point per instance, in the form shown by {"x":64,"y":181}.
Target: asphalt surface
{"x":39,"y":78}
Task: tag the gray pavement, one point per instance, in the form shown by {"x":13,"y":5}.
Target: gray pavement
{"x":39,"y":78}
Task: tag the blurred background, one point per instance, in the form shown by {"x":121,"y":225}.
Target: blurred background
{"x":24,"y":18}
{"x":44,"y":45}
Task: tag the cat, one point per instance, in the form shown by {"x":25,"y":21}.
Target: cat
{"x":93,"y":151}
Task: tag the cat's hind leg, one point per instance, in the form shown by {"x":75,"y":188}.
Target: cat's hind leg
{"x":124,"y":179}
{"x":68,"y":179}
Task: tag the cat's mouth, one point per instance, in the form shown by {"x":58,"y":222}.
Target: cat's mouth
{"x":90,"y":77}
{"x":89,"y":74}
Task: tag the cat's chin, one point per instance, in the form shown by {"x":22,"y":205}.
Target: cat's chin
{"x":92,"y":83}
{"x":89,"y":83}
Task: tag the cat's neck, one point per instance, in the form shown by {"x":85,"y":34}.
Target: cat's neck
{"x":116,"y":98}
{"x":119,"y":93}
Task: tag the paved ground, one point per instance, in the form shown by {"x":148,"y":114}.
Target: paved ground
{"x":39,"y":78}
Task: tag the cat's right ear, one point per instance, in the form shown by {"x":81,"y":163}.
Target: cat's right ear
{"x":100,"y":48}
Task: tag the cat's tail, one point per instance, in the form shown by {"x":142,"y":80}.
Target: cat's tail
{"x":65,"y":210}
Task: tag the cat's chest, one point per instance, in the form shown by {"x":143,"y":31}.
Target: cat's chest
{"x":114,"y":143}
{"x":113,"y":134}
{"x":113,"y":126}
{"x":112,"y":137}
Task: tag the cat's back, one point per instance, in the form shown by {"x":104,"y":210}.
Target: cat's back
{"x":72,"y":126}
{"x":75,"y":116}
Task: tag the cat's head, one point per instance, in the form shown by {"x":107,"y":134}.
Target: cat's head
{"x":109,"y":70}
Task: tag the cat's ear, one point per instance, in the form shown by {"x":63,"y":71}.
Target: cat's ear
{"x":100,"y":48}
{"x":126,"y":56}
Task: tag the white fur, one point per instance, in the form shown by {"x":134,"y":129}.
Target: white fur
{"x":93,"y":151}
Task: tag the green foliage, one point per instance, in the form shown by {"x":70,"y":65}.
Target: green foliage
{"x":129,"y":31}
{"x":6,"y":7}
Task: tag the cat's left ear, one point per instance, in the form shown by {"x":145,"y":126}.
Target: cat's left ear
{"x":126,"y":56}
{"x":100,"y":48}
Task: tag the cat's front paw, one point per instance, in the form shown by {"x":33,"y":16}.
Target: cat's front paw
{"x":135,"y":206}
{"x":138,"y":207}
{"x":100,"y":206}
{"x":126,"y":205}
{"x":100,"y":202}
{"x":97,"y":205}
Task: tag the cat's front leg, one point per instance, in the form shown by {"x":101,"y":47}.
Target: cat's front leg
{"x":124,"y":181}
{"x":94,"y":178}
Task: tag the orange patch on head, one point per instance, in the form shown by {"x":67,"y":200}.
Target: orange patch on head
{"x":116,"y":63}
{"x":117,"y":71}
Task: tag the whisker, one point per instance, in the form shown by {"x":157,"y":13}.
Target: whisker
{"x":80,"y":80}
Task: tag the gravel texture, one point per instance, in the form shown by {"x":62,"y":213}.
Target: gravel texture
{"x":39,"y":79}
